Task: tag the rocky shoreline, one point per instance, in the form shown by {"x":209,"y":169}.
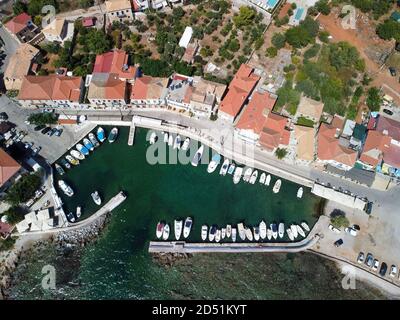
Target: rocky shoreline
{"x":63,"y":241}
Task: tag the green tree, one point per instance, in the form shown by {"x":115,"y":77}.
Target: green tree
{"x":374,"y":99}
{"x":280,"y":153}
{"x":23,"y":190}
{"x":245,"y":17}
{"x":278,"y":40}
{"x":323,"y":7}
{"x":338,"y":219}
{"x":272,"y":52}
{"x":44,"y":118}
{"x":19,"y":7}
{"x":388,"y":30}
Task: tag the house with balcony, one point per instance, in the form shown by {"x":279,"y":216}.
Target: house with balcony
{"x":59,"y":30}
{"x":119,"y":10}
{"x":23,"y":30}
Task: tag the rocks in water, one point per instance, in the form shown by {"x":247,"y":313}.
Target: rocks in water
{"x":168,"y":259}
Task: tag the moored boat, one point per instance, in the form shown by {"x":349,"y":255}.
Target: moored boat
{"x":242,"y":233}
{"x":187,"y":227}
{"x":153,"y":137}
{"x":59,"y":169}
{"x":247,"y":174}
{"x":178,"y":225}
{"x":77,"y":155}
{"x":65,"y":163}
{"x":96,"y":198}
{"x":218,"y":236}
{"x":300,"y":193}
{"x":166,"y":230}
{"x":93,"y":139}
{"x":65,"y":188}
{"x":71,"y":217}
{"x":256,"y":231}
{"x":253,"y":177}
{"x":268,"y":180}
{"x":215,"y":161}
{"x":263,"y":230}
{"x":223,"y":233}
{"x":294,"y":231}
{"x":160,"y":229}
{"x":274,"y":229}
{"x":269,"y":234}
{"x":224,"y":168}
{"x":82,"y":149}
{"x":277,"y":186}
{"x":238,"y":175}
{"x":197,"y":157}
{"x":234,"y":234}
{"x":88,"y":144}
{"x":177,"y":143}
{"x":281,"y":230}
{"x":113,"y":135}
{"x":186,"y":144}
{"x":72,"y":160}
{"x":249,"y":234}
{"x":211,"y":235}
{"x":171,"y":140}
{"x":101,"y":134}
{"x":300,"y":231}
{"x":228,"y":231}
{"x":232,"y":168}
{"x":204,"y":231}
{"x":78,"y":212}
{"x":263,"y":177}
{"x":166,"y":136}
{"x":305,"y":226}
{"x":290,"y":234}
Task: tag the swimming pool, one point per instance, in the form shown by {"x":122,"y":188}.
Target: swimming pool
{"x":299,"y":14}
{"x":272,"y":3}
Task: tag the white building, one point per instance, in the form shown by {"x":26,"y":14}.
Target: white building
{"x":186,"y":37}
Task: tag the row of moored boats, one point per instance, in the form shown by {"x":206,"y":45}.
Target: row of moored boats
{"x":181,"y":228}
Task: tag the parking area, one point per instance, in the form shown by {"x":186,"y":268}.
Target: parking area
{"x":51,"y":147}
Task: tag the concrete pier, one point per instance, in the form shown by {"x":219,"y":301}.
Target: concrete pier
{"x":131,"y":138}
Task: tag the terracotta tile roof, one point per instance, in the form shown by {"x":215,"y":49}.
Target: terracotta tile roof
{"x":147,"y":87}
{"x":338,"y":122}
{"x":389,"y":127}
{"x":116,"y":5}
{"x":55,"y":27}
{"x":18,"y":23}
{"x":274,"y":133}
{"x":107,"y":86}
{"x":204,"y":91}
{"x":8,"y":167}
{"x":330,"y":149}
{"x":52,"y":87}
{"x":255,"y":113}
{"x":305,"y":142}
{"x":239,"y":90}
{"x":376,"y":145}
{"x":116,"y":62}
{"x":88,"y":21}
{"x":392,"y":156}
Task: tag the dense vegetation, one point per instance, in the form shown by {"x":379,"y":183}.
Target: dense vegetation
{"x":44,"y":118}
{"x":24,"y":189}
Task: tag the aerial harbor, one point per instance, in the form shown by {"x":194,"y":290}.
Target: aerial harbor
{"x":227,"y":149}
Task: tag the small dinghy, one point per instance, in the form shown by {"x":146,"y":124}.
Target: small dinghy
{"x":204,"y":232}
{"x":165,"y":235}
{"x":305,"y":226}
{"x":159,"y":230}
{"x":263,"y":178}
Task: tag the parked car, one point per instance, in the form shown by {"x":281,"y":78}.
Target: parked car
{"x":393,"y":271}
{"x":376,"y":265}
{"x":369,"y":260}
{"x":52,"y":132}
{"x":36,"y":150}
{"x":392,"y":71}
{"x":59,"y":132}
{"x":360,"y":258}
{"x":387,"y":111}
{"x":3,"y":116}
{"x":368,"y":209}
{"x":356,"y":227}
{"x":383,"y":270}
{"x":39,"y":128}
{"x":334,"y":229}
{"x":338,"y":243}
{"x":351,"y":231}
{"x":45,"y":130}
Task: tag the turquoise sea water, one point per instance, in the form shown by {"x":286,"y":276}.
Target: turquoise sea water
{"x":118,"y":265}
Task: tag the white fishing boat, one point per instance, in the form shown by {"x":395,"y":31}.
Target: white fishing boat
{"x":89,"y":145}
{"x":204,"y":232}
{"x":290,"y":234}
{"x":300,"y":193}
{"x":101,"y":134}
{"x":186,"y":144}
{"x":294,"y":231}
{"x":78,"y":212}
{"x":274,"y":229}
{"x":242,"y":233}
{"x":228,"y":231}
{"x":187,"y":227}
{"x":165,"y":235}
{"x":113,"y":135}
{"x":65,"y":188}
{"x":263,"y":177}
{"x":178,"y":225}
{"x":281,"y":230}
{"x":247,"y":174}
{"x":224,"y":168}
{"x":263,"y":230}
{"x":153,"y":138}
{"x":223,"y":233}
{"x":256,"y":231}
{"x":234,"y":234}
{"x":177,"y":143}
{"x":211,"y":235}
{"x":218,"y":236}
{"x":269,"y":234}
{"x":166,"y":137}
{"x":268,"y":180}
{"x":77,"y":155}
{"x":96,"y":198}
{"x":59,"y":169}
{"x":300,"y":231}
{"x":159,"y":229}
{"x":93,"y":139}
{"x":171,"y":140}
{"x":72,"y":160}
{"x":70,"y":217}
{"x":238,"y":175}
{"x":277,"y":186}
{"x":232,"y":168}
{"x":253,"y":177}
{"x":305,"y":226}
{"x":214,"y":163}
{"x":197,"y":157}
{"x":249,"y":234}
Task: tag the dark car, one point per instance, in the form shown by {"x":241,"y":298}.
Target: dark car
{"x":383,"y":269}
{"x":338,"y":243}
{"x":3,"y":116}
{"x":45,"y":130}
{"x":392,"y":71}
{"x":369,"y":260}
{"x":39,"y":128}
{"x":59,"y":132}
{"x":368,"y":209}
{"x":52,"y":132}
{"x":387,"y":111}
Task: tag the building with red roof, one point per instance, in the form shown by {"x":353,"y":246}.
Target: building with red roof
{"x":89,"y":22}
{"x":107,"y":90}
{"x":375,"y":147}
{"x":239,"y":91}
{"x":274,"y":133}
{"x":22,"y":28}
{"x":330,"y":151}
{"x":50,"y":91}
{"x":149,"y":91}
{"x":9,"y":169}
{"x":388,"y":127}
{"x":116,"y":62}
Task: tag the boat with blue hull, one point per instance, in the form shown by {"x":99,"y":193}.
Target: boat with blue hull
{"x":88,"y":144}
{"x":101,"y":134}
{"x":82,"y":149}
{"x":93,"y":140}
{"x":113,"y":135}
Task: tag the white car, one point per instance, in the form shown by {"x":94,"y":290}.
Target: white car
{"x":332,"y":228}
{"x":351,"y":231}
{"x":376,"y":265}
{"x":393,"y":270}
{"x":360,"y":258}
